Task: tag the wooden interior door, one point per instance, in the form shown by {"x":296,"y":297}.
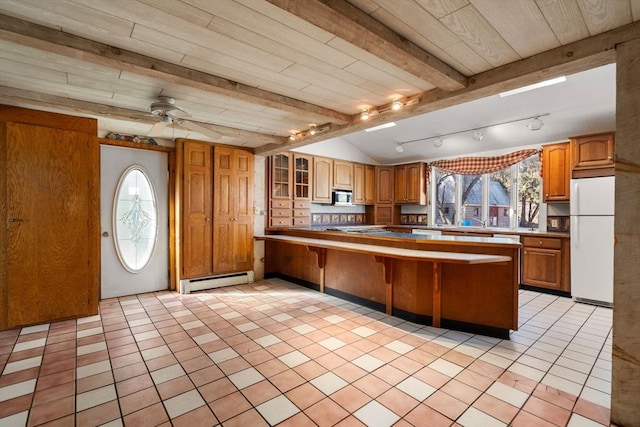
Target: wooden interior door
{"x":52,"y":240}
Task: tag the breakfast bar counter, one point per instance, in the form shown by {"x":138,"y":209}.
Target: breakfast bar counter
{"x":458,"y":282}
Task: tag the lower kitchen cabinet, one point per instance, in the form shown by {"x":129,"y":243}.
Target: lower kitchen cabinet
{"x":545,"y":263}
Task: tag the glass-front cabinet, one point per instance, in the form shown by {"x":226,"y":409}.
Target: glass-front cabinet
{"x":302,"y":177}
{"x":281,"y":176}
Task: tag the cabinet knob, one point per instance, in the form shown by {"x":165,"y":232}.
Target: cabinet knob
{"x":540,"y":243}
{"x":207,"y":219}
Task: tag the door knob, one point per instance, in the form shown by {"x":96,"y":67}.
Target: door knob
{"x":105,"y":234}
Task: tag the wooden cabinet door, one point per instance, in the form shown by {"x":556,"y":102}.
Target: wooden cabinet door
{"x":592,"y":155}
{"x":359,"y":184}
{"x":384,"y":184}
{"x":342,"y":175}
{"x":302,"y":176}
{"x":232,"y":206}
{"x":322,"y":174}
{"x":50,"y":232}
{"x":197,"y":229}
{"x":369,"y":184}
{"x":400,"y":184}
{"x":415,"y":188}
{"x":555,"y":172}
{"x":280,"y":176}
{"x":542,"y":267}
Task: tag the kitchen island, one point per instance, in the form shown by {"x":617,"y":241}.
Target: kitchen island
{"x":464,"y":283}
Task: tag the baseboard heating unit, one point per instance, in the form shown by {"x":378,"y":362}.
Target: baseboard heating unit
{"x":193,"y":285}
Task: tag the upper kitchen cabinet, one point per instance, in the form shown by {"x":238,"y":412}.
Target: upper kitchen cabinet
{"x":556,"y":172}
{"x":364,"y":184}
{"x":302,"y":176}
{"x":410,"y":184}
{"x":342,"y":175}
{"x":280,"y":175}
{"x":384,"y":185}
{"x":322,"y":177}
{"x":592,"y":155}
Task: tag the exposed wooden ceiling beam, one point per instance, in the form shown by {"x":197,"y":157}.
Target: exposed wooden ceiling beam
{"x":55,"y":41}
{"x":9,"y":94}
{"x":356,"y":27}
{"x":573,"y":58}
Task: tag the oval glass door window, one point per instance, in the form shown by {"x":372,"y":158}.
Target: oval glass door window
{"x":135,"y":219}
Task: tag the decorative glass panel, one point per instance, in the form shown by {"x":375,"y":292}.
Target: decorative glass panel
{"x":135,"y":219}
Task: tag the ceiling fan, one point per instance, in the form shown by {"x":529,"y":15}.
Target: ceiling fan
{"x":166,"y":109}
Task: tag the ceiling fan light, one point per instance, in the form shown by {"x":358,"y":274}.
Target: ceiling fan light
{"x":535,"y":124}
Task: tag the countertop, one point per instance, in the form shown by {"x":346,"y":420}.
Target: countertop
{"x":490,"y":230}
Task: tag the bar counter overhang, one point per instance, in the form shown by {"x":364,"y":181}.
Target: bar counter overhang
{"x":462,"y":283}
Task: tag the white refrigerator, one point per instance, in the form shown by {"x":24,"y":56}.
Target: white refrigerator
{"x":592,"y":239}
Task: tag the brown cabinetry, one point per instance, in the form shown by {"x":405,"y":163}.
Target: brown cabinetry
{"x":322,"y":177}
{"x":291,"y":186}
{"x":384,"y":185}
{"x":364,"y":184}
{"x":556,"y":172}
{"x":545,"y":263}
{"x":217,"y":209}
{"x":232,"y":210}
{"x":592,"y":155}
{"x":342,"y":175}
{"x":410,"y":184}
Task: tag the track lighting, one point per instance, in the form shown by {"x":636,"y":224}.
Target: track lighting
{"x":535,"y":124}
{"x":292,"y":137}
{"x":478,"y":134}
{"x":365,"y":115}
{"x":399,"y":148}
{"x":312,"y":130}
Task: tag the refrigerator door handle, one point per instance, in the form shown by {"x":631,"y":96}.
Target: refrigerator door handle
{"x":575,"y":235}
{"x":575,"y":199}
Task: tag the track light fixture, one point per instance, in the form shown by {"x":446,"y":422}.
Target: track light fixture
{"x":396,"y":105}
{"x":399,"y":148}
{"x":312,"y":130}
{"x":535,"y":124}
{"x":478,"y":133}
{"x":365,"y":115}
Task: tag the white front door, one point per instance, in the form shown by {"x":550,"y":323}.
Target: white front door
{"x":134,"y":217}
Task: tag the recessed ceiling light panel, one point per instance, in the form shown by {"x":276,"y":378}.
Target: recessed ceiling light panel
{"x":533,"y":86}
{"x":382,"y":126}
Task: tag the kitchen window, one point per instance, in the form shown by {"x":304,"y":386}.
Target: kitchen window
{"x":508,"y":198}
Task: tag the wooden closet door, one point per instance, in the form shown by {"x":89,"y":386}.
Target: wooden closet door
{"x":197,"y":229}
{"x":51,"y":240}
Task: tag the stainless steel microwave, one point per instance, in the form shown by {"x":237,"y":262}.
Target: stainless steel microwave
{"x":342,"y":198}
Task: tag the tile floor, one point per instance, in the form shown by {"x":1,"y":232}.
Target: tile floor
{"x":274,"y":353}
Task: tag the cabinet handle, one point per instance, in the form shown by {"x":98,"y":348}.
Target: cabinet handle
{"x":207,"y":219}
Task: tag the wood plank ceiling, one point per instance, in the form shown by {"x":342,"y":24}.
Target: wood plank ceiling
{"x":257,"y":71}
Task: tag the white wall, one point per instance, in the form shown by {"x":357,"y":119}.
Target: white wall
{"x":259,"y":208}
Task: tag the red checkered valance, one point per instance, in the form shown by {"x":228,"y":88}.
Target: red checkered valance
{"x":480,"y":165}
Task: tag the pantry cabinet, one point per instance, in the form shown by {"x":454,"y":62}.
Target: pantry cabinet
{"x":592,"y":155}
{"x":217,"y":209}
{"x":556,"y":174}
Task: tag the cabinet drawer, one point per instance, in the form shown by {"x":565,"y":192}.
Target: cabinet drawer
{"x":542,"y":242}
{"x":299,"y":213}
{"x":280,"y":204}
{"x":280,"y":222}
{"x":280,"y":213}
{"x":301,"y":205}
{"x":301,"y":221}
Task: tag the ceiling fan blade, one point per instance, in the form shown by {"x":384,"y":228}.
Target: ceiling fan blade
{"x":200,"y":129}
{"x":178,"y":113}
{"x":158,"y":128}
